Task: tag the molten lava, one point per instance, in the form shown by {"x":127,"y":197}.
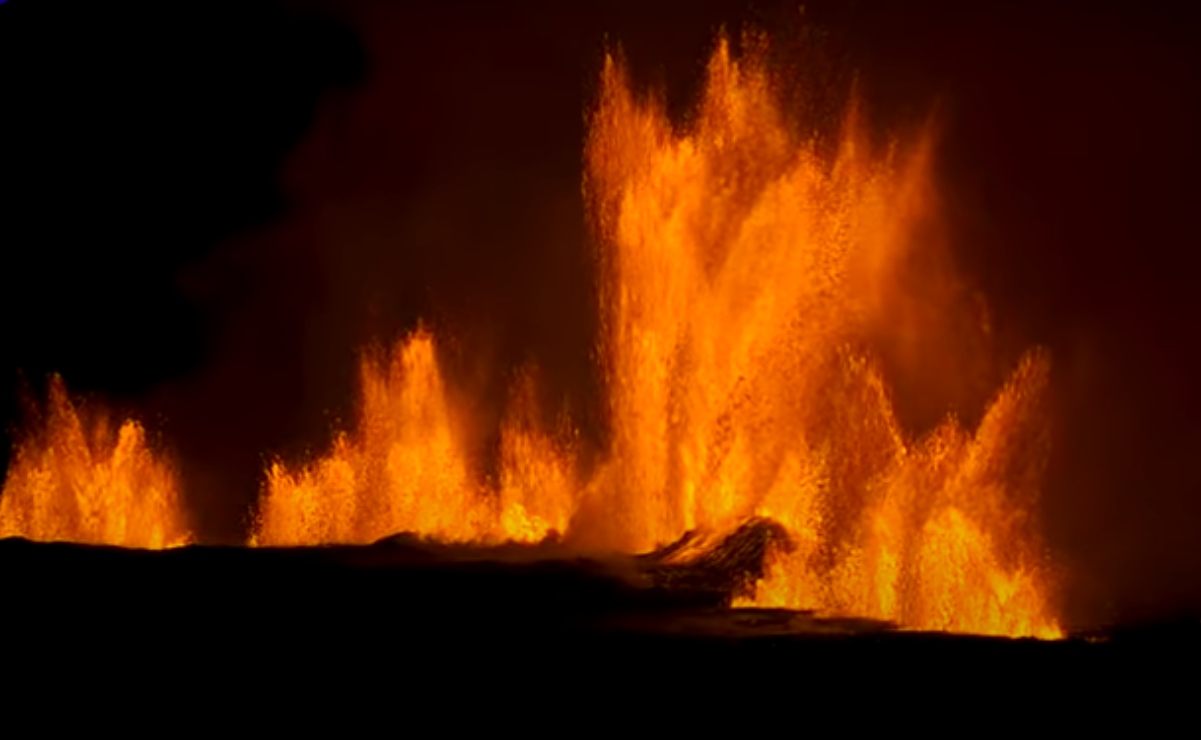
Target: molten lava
{"x":410,"y":467}
{"x":78,"y":480}
{"x":741,"y":273}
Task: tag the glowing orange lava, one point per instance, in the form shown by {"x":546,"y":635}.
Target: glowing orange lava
{"x":76,"y":479}
{"x":741,"y":272}
{"x":409,"y":467}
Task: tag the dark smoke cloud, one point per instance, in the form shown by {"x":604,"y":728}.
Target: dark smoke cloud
{"x":133,"y":135}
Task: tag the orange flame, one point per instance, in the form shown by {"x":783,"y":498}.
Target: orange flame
{"x":409,"y":467}
{"x":81,"y":482}
{"x":740,"y":275}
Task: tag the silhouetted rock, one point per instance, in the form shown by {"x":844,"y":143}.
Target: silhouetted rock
{"x":726,"y":569}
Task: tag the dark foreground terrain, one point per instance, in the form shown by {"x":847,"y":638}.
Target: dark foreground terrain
{"x":406,"y":619}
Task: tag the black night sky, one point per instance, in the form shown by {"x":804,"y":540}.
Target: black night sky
{"x":207,"y":208}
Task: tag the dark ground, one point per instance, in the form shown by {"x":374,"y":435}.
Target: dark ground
{"x":264,"y":632}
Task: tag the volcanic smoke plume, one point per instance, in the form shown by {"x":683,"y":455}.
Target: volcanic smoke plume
{"x":749,"y":282}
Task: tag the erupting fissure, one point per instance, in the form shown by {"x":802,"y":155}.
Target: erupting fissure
{"x":742,"y":273}
{"x":739,"y":271}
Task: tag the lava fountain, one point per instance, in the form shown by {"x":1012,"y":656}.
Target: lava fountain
{"x":742,"y":272}
{"x":741,"y":275}
{"x":74,"y":477}
{"x":410,"y":467}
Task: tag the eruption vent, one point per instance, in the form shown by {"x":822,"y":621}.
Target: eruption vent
{"x":77,"y":479}
{"x":742,"y":275}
